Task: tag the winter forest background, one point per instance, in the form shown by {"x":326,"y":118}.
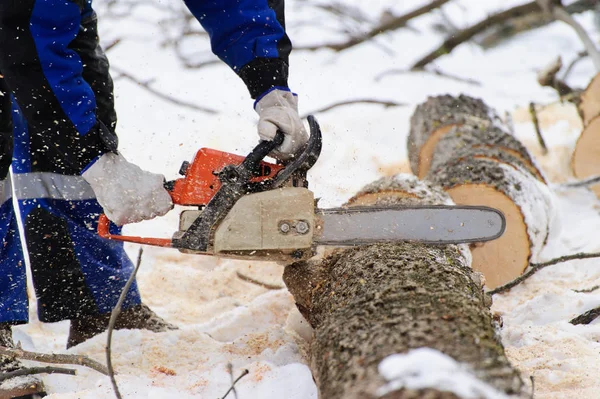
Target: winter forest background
{"x":356,"y":67}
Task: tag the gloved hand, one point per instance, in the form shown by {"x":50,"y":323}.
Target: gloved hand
{"x":278,"y":109}
{"x":127,"y":193}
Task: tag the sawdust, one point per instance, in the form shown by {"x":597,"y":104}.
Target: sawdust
{"x":549,"y":115}
{"x":253,"y":344}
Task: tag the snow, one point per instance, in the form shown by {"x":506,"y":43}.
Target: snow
{"x":429,"y":368}
{"x":225,"y":320}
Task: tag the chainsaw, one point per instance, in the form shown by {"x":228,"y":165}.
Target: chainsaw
{"x":248,"y":208}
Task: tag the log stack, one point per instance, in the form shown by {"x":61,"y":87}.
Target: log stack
{"x":462,"y":145}
{"x":369,"y":302}
{"x":585,"y":161}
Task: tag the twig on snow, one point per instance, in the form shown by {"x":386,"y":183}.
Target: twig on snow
{"x":588,"y":181}
{"x":434,"y":71}
{"x":535,"y":267}
{"x":146,"y":86}
{"x":113,"y":319}
{"x":581,"y":55}
{"x":245,"y":372}
{"x":587,"y":317}
{"x":555,"y":8}
{"x":538,"y":131}
{"x":249,"y":279}
{"x":54,"y":358}
{"x":587,"y":290}
{"x":36,"y":370}
{"x":389,"y":24}
{"x":386,"y":104}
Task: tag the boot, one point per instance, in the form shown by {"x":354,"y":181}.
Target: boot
{"x":21,"y":387}
{"x":137,"y":317}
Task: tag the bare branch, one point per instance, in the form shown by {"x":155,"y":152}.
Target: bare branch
{"x":538,"y":131}
{"x":535,"y":267}
{"x":587,"y":290}
{"x":587,"y":317}
{"x":157,"y":93}
{"x":268,"y":286}
{"x":581,"y":55}
{"x":547,"y":78}
{"x":36,"y":370}
{"x":390,"y":23}
{"x":581,"y":183}
{"x":54,"y":358}
{"x":232,"y":388}
{"x":524,"y":23}
{"x":467,"y":34}
{"x":559,"y":13}
{"x":357,"y":101}
{"x":113,"y":319}
{"x":434,"y":71}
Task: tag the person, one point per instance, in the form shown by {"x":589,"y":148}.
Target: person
{"x":58,"y":141}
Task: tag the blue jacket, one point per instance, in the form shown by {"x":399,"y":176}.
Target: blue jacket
{"x":53,"y":65}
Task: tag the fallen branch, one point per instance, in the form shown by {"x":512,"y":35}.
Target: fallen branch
{"x":157,"y":93}
{"x":113,"y":319}
{"x":581,"y":55}
{"x":467,"y":34}
{"x":258,"y":282}
{"x":587,"y":290}
{"x":538,"y":131}
{"x":390,"y":24}
{"x":434,"y":71}
{"x":528,"y":22}
{"x":386,"y":104}
{"x":587,"y":317}
{"x":535,"y":267}
{"x":54,"y":358}
{"x":555,"y":8}
{"x":589,"y":181}
{"x":36,"y":370}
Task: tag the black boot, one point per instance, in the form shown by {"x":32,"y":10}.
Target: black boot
{"x":21,"y":387}
{"x":139,"y":317}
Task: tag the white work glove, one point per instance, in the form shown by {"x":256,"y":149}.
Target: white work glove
{"x":127,"y":193}
{"x":278,"y":110}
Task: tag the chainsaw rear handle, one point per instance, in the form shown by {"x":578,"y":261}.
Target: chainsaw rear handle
{"x":251,"y":163}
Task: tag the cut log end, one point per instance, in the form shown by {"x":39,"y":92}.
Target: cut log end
{"x":505,"y":258}
{"x":589,"y":106}
{"x":587,"y":153}
{"x":428,"y":148}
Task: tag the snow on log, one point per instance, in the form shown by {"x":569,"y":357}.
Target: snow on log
{"x":370,"y":304}
{"x":434,"y":118}
{"x":527,"y":205}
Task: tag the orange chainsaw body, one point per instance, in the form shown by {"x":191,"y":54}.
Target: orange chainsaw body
{"x":201,"y":181}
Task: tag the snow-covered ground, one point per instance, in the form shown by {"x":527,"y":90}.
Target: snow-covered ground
{"x":224,"y":319}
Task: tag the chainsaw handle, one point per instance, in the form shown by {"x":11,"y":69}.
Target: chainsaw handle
{"x":104,"y":232}
{"x":252,"y":161}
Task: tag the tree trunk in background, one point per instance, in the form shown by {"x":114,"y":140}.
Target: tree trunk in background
{"x":368,"y":302}
{"x":478,"y":162}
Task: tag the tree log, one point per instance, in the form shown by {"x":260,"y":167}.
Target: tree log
{"x":478,"y":141}
{"x":527,"y":204}
{"x":369,"y":302}
{"x":434,"y":118}
{"x":584,"y":161}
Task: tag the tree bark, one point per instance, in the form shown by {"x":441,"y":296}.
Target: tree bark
{"x":476,"y":141}
{"x":434,"y":118}
{"x":368,"y":302}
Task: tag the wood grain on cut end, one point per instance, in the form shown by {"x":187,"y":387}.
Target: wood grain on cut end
{"x":428,"y":148}
{"x":586,"y":157}
{"x":589,"y":106}
{"x":505,"y":258}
